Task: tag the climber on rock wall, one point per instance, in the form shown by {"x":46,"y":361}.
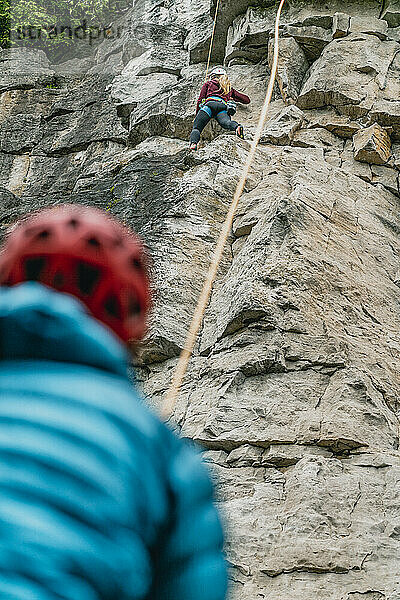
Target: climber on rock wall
{"x":217,"y":100}
{"x":99,"y":499}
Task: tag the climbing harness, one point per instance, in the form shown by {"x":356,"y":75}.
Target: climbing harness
{"x":212,"y":40}
{"x":207,"y":109}
{"x":181,"y":368}
{"x":216,"y":98}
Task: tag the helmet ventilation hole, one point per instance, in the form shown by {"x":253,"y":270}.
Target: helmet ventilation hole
{"x":111,"y":306}
{"x":134,"y":307}
{"x":34,"y":267}
{"x":136,"y":264}
{"x":93,"y":241}
{"x":73,"y":223}
{"x":87,"y":277}
{"x":42,"y":235}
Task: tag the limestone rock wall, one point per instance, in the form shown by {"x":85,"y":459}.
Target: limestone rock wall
{"x":294,"y":387}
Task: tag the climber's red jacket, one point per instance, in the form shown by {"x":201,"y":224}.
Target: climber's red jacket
{"x":211,"y":88}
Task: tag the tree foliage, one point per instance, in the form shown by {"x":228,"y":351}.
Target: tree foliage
{"x":4,"y":23}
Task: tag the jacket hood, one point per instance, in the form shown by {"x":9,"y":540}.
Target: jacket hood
{"x":37,"y":322}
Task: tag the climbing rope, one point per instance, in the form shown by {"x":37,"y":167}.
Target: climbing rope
{"x":212,"y":40}
{"x":181,"y":368}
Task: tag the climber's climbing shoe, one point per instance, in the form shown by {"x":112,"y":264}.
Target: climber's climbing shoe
{"x":193,"y":146}
{"x":240,"y":132}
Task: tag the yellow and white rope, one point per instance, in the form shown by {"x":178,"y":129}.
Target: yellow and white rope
{"x":181,"y":368}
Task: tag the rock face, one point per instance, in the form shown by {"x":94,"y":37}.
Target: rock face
{"x":294,"y":387}
{"x":282,"y":128}
{"x":292,"y":67}
{"x":372,"y":145}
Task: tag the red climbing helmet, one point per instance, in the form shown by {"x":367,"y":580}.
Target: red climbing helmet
{"x":84,"y":252}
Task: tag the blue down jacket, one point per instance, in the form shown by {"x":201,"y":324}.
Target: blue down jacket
{"x":98,"y":499}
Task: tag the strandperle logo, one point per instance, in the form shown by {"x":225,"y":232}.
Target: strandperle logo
{"x":84,"y":32}
{"x":63,"y":29}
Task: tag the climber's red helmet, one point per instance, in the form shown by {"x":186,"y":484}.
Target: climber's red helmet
{"x":84,"y":252}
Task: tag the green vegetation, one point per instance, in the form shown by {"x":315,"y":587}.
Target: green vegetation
{"x":4,"y":23}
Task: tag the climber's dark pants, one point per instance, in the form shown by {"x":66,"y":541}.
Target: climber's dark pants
{"x":216,"y":110}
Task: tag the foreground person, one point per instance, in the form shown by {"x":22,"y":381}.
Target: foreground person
{"x":98,"y":499}
{"x":217,"y":100}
